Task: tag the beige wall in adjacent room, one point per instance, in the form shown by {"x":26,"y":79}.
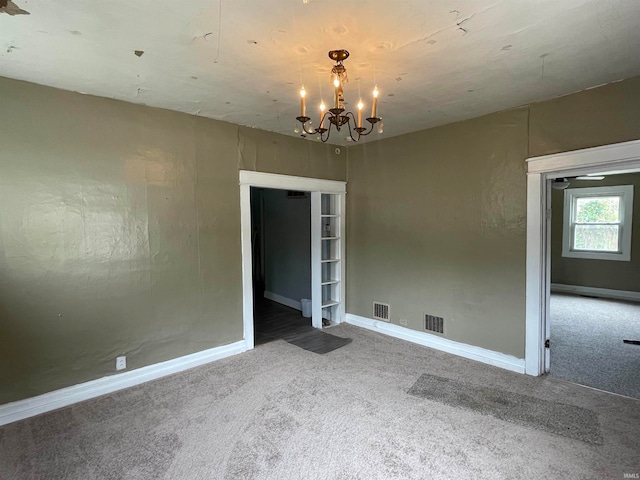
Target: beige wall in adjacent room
{"x":436,"y":220}
{"x":609,"y":274}
{"x":120,"y":232}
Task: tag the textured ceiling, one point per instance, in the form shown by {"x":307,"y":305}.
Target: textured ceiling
{"x":434,"y":61}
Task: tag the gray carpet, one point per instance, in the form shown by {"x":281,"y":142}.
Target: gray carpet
{"x":553,"y":417}
{"x":280,"y":412}
{"x":587,"y":343}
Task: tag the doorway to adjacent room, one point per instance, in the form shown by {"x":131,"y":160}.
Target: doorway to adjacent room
{"x":607,"y":160}
{"x":594,"y":309}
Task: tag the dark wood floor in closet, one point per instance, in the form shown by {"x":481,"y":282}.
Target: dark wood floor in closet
{"x":273,"y":321}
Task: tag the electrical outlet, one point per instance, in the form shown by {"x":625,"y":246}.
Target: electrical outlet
{"x":121,"y":363}
{"x":403,"y":322}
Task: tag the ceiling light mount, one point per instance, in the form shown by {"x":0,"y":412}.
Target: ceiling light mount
{"x":338,"y":55}
{"x":336,"y":116}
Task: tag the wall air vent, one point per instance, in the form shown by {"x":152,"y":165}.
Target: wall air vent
{"x":381,"y":311}
{"x":434,"y":324}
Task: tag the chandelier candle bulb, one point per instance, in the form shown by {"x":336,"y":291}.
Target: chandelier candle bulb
{"x":360,"y":107}
{"x":374,"y":105}
{"x":303,"y":104}
{"x":322,"y":107}
{"x":336,"y":95}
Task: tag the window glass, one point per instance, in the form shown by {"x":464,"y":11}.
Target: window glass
{"x":598,"y":210}
{"x":601,"y":238}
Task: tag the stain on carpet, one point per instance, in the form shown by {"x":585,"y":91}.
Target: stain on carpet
{"x":318,"y":342}
{"x":557,"y":418}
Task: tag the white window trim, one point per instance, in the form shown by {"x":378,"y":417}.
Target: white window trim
{"x":626,"y":214}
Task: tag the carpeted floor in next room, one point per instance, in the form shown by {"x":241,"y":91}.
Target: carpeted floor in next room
{"x":377,"y":408}
{"x":587,"y":343}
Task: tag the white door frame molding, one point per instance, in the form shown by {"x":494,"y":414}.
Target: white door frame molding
{"x":609,"y":159}
{"x":250,"y":179}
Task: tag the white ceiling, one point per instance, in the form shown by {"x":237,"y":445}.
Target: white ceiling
{"x":242,"y":61}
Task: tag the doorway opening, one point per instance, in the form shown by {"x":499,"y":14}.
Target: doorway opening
{"x":328,"y":246}
{"x":281,"y":257}
{"x":594,"y":304}
{"x":613,"y":159}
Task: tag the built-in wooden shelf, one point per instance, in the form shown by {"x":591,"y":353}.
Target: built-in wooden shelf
{"x":330,"y":303}
{"x":331,"y":256}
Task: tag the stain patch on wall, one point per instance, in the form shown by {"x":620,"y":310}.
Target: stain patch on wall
{"x":10,"y":8}
{"x":138,"y":53}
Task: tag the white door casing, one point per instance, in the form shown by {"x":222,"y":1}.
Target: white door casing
{"x":250,"y":179}
{"x":609,"y":159}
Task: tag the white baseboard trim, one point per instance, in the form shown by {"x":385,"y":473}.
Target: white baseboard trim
{"x":596,"y":292}
{"x":283,"y":300}
{"x":497,"y":359}
{"x":30,"y":407}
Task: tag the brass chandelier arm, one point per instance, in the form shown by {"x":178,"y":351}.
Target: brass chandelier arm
{"x":361,"y":131}
{"x":303,"y":121}
{"x":337,"y":121}
{"x":355,"y":122}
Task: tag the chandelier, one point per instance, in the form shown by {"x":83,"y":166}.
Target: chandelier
{"x":336,"y":116}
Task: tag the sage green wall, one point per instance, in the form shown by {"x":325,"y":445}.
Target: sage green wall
{"x":436,"y":220}
{"x":120,"y":232}
{"x":120,"y":229}
{"x":600,"y":116}
{"x":596,"y":273}
{"x":436,"y":225}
